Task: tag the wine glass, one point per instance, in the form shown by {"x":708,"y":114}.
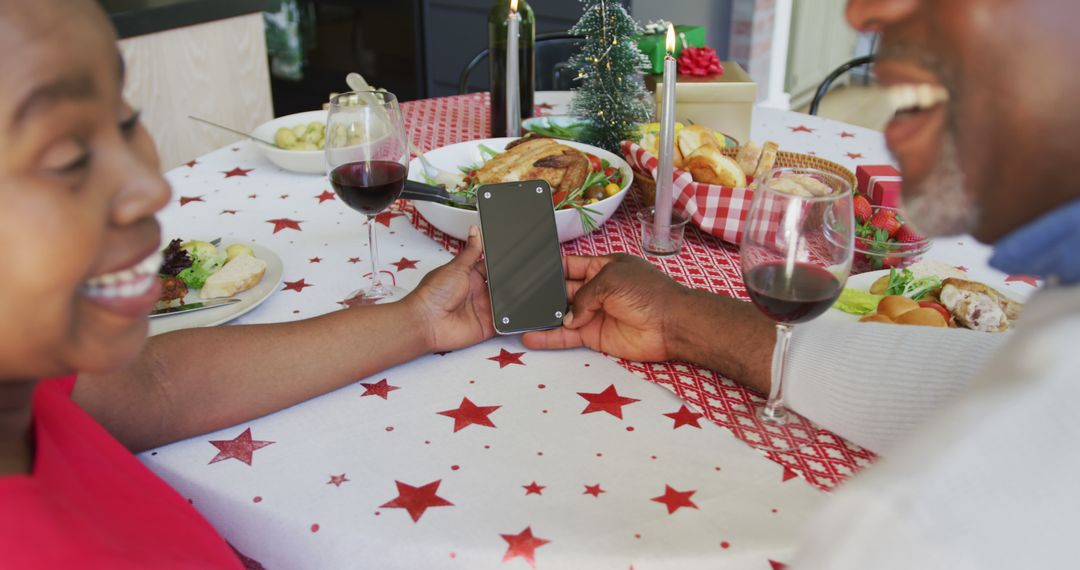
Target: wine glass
{"x":367,"y":154}
{"x":796,"y":254}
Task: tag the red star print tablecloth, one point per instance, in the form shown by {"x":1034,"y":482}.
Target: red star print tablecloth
{"x":494,"y":456}
{"x":711,"y":264}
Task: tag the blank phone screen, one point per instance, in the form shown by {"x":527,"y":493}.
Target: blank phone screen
{"x":524,"y":262}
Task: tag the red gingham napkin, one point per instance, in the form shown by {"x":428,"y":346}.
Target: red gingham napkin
{"x":717,"y":210}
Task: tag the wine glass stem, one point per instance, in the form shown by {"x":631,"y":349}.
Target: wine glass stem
{"x":376,"y":280}
{"x":774,"y":411}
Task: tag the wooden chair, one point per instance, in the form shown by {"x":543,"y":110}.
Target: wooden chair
{"x":824,"y":87}
{"x":552,"y":72}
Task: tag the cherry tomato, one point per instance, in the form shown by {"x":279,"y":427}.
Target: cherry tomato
{"x":595,"y":162}
{"x":558,"y":197}
{"x":937,"y":307}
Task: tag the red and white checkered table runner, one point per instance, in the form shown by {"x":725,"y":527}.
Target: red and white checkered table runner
{"x":706,"y":263}
{"x":717,"y":210}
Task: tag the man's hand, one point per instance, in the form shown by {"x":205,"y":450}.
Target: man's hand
{"x":622,"y":306}
{"x":452,"y":302}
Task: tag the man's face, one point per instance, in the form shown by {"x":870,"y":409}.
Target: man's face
{"x":997,"y":154}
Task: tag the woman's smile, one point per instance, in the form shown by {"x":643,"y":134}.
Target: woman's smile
{"x":130,"y":291}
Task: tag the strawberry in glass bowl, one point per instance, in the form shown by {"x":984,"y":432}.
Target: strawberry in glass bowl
{"x":883,"y":240}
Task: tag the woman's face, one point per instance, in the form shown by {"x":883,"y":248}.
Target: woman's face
{"x":79,"y":186}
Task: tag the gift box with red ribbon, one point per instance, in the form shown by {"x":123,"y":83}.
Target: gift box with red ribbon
{"x":880,"y":183}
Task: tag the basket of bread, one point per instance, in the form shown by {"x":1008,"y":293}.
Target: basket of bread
{"x":714,"y":175}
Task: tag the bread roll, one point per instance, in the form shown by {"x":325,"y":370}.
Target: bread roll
{"x":876,"y":318}
{"x":707,"y":164}
{"x":789,"y":185}
{"x":239,"y":274}
{"x":923,"y":316}
{"x":880,"y":285}
{"x":903,"y":311}
{"x":812,"y":185}
{"x":694,"y":137}
{"x":651,"y":143}
{"x":895,"y":305}
{"x":768,"y":159}
{"x":748,"y":157}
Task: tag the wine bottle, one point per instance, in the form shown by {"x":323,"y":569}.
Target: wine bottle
{"x":497,"y":27}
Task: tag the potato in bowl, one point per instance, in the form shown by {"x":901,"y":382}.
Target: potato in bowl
{"x":304,"y":160}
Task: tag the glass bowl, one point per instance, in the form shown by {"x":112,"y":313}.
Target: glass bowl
{"x":899,"y":250}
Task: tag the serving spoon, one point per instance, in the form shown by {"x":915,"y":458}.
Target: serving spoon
{"x":356,"y":82}
{"x":419,"y":191}
{"x":232,"y":130}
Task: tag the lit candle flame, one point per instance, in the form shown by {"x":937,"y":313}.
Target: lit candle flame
{"x":513,"y":5}
{"x":670,"y":38}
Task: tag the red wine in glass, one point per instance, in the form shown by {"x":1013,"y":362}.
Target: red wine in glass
{"x":795,"y":255}
{"x":369,"y":186}
{"x":799,"y":296}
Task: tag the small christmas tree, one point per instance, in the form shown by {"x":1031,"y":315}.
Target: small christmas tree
{"x":612,"y":94}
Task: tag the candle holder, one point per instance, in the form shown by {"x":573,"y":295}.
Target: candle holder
{"x":659,"y":238}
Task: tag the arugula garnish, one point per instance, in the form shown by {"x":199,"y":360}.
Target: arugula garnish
{"x":486,"y":152}
{"x":903,"y":282}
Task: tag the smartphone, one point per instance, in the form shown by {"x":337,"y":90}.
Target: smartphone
{"x":521,"y":250}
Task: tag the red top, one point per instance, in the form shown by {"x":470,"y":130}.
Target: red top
{"x":90,"y":504}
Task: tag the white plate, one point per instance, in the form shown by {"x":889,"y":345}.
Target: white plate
{"x":303,"y":161}
{"x":212,"y":317}
{"x":863,"y":281}
{"x":456,"y":221}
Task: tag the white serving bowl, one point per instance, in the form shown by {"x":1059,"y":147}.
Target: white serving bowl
{"x":456,"y":221}
{"x":304,"y":161}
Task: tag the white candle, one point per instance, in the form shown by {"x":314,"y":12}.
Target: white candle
{"x":664,"y":199}
{"x":513,"y":87}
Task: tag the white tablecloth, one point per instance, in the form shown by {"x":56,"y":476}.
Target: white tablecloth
{"x":489,"y":457}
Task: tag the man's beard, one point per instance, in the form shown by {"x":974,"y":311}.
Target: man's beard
{"x":939,"y":206}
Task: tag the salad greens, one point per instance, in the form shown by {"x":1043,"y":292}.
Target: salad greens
{"x":569,"y":130}
{"x":903,"y":282}
{"x":857,"y":302}
{"x":204,"y":262}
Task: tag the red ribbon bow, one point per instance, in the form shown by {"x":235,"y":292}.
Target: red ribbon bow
{"x":700,"y":61}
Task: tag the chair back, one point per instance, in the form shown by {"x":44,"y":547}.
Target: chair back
{"x":552,"y":53}
{"x":824,"y":87}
